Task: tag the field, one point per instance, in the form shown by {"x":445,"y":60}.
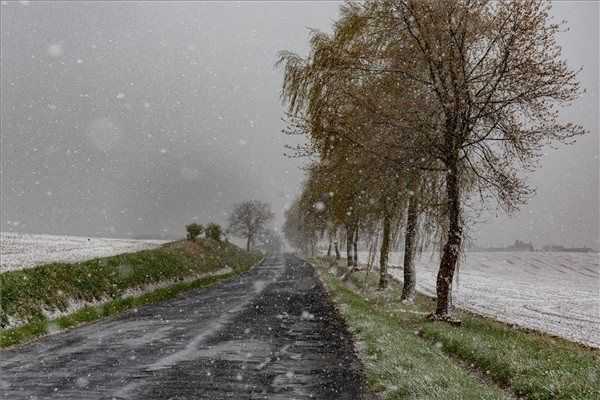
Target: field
{"x":407,"y":356}
{"x":557,"y":293}
{"x":18,"y":250}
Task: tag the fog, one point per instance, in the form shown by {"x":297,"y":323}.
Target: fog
{"x":129,"y":119}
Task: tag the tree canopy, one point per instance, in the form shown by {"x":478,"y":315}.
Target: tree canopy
{"x":418,"y":110}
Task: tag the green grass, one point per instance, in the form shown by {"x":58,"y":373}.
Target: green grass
{"x":533,"y":365}
{"x":24,"y":295}
{"x":11,"y":337}
{"x":411,"y":357}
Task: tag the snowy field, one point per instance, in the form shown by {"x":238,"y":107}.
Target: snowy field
{"x":18,"y":250}
{"x":558,"y":293}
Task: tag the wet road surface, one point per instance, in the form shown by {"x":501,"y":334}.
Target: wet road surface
{"x":270,"y":333}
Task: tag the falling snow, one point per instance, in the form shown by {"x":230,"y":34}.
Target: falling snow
{"x":550,"y":292}
{"x":23,"y":250}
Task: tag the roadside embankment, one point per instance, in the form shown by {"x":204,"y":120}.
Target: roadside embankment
{"x":50,"y":297}
{"x":408,"y":356}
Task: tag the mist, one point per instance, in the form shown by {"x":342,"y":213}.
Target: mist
{"x":134,"y":118}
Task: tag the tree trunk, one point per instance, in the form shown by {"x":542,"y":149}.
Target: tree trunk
{"x":385,"y":249}
{"x":453,"y":244}
{"x":355,"y":245}
{"x":349,"y":245}
{"x":410,"y":273}
{"x":248,"y":243}
{"x":337,"y":250}
{"x":329,"y":248}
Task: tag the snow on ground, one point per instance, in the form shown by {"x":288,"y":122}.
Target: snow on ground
{"x":19,"y":250}
{"x":558,"y":293}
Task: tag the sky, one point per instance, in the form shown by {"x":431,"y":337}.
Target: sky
{"x":136,"y":118}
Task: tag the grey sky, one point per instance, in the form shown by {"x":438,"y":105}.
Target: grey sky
{"x":123,"y":118}
{"x":565,"y":207}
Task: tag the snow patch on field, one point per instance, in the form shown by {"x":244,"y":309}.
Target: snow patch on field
{"x":557,"y":293}
{"x":19,"y":250}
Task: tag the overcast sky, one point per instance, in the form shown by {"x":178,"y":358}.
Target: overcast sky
{"x":124,"y":118}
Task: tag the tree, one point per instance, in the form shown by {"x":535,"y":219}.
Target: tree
{"x":294,"y":228}
{"x":302,"y":226}
{"x":495,"y":72}
{"x":193,"y":231}
{"x":355,"y":120}
{"x":451,"y":101}
{"x":409,"y":289}
{"x":248,"y":219}
{"x":214,"y":231}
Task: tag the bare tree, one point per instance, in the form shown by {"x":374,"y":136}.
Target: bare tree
{"x":249,"y":219}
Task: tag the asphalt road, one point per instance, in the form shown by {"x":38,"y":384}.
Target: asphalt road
{"x":271,"y":333}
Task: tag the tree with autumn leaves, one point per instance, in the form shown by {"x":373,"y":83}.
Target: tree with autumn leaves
{"x":418,"y":109}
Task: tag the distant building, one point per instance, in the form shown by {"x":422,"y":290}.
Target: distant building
{"x":568,"y":249}
{"x":517,"y":246}
{"x":520,"y":246}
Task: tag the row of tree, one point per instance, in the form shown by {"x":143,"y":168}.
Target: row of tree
{"x":419,"y":113}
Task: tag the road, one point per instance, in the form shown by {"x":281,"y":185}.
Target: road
{"x":270,"y":333}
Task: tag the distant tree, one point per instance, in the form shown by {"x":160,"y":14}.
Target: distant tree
{"x":249,"y":219}
{"x":194,"y":230}
{"x":301,"y":228}
{"x":214,"y":231}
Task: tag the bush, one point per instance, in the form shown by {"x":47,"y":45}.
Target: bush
{"x":214,"y":232}
{"x":193,"y":231}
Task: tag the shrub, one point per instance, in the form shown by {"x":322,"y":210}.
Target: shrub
{"x":193,"y":231}
{"x":214,"y":231}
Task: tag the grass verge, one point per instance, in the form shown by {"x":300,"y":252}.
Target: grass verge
{"x":26,"y":294}
{"x":407,"y":356}
{"x":24,"y":333}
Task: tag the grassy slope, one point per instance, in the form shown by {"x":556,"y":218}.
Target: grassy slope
{"x":410,"y":357}
{"x":24,"y":294}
